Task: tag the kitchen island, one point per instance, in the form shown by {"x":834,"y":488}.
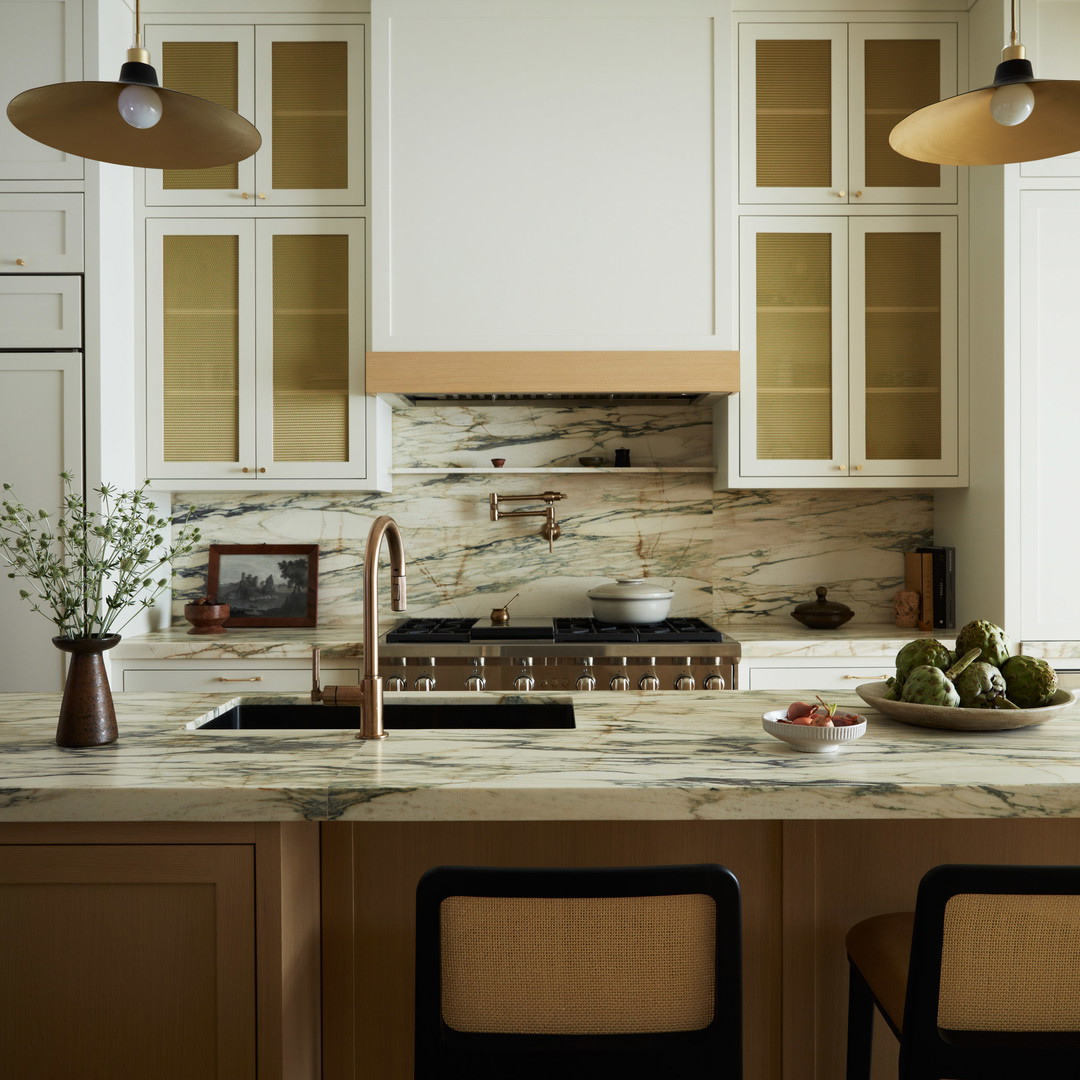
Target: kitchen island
{"x":323,"y":838}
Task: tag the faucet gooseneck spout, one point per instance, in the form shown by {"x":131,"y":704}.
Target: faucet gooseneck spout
{"x":371,"y":690}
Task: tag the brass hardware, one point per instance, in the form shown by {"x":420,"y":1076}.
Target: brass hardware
{"x":871,"y":677}
{"x":262,"y":470}
{"x":244,"y":195}
{"x":857,"y":467}
{"x":841,"y":194}
{"x":858,"y":194}
{"x":500,"y":615}
{"x":369,"y":695}
{"x":245,"y":469}
{"x":262,"y":195}
{"x":549,"y":530}
{"x":841,"y":467}
{"x":254,"y":678}
{"x":20,"y":262}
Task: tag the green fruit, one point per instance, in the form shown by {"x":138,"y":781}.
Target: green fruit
{"x":928,"y":685}
{"x":980,"y":686}
{"x":921,"y":651}
{"x":990,"y":640}
{"x":1030,"y":682}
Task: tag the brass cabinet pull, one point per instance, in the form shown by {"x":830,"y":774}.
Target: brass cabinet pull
{"x":880,"y":678}
{"x":20,"y":262}
{"x":253,"y":678}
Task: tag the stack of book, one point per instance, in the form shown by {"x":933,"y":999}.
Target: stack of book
{"x":931,"y":572}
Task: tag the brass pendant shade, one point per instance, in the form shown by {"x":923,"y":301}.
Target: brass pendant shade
{"x":962,"y":131}
{"x":1016,"y":118}
{"x":84,"y":118}
{"x":155,"y":129}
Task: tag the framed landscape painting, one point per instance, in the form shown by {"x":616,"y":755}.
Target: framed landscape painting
{"x":265,"y":584}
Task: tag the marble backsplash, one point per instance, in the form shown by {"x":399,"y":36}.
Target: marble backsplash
{"x":730,"y":556}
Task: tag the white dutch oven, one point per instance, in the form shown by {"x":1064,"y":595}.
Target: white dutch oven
{"x":630,"y":600}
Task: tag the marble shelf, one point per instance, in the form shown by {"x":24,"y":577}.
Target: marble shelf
{"x":558,"y":469}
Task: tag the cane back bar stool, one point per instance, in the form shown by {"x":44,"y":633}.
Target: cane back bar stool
{"x":980,"y":982}
{"x":627,"y":972}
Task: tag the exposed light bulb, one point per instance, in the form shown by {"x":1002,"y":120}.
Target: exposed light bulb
{"x":1012,"y":104}
{"x":140,"y":106}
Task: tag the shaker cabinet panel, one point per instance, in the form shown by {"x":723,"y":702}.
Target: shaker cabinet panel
{"x":41,"y":233}
{"x":40,"y":44}
{"x":817,"y":102}
{"x":304,"y":89}
{"x":40,"y":311}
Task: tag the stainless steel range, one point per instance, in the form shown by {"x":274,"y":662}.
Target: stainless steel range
{"x":557,"y":654}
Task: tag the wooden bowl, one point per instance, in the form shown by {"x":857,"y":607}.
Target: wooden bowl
{"x":206,"y":618}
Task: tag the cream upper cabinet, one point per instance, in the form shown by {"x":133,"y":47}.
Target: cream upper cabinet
{"x":255,"y":355}
{"x":304,"y":89}
{"x":550,"y":176}
{"x":817,"y":102}
{"x":849,"y":352}
{"x":40,"y":44}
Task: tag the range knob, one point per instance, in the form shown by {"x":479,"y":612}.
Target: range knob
{"x":649,"y":681}
{"x":620,"y":680}
{"x":685,"y":681}
{"x":525,"y":680}
{"x":715,"y":681}
{"x":397,"y":680}
{"x":476,"y":680}
{"x":586,"y":680}
{"x":426,"y":681}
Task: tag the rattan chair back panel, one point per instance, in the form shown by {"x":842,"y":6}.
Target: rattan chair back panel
{"x":578,"y":965}
{"x":1010,"y":963}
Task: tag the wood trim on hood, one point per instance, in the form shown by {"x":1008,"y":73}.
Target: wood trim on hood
{"x":698,"y":371}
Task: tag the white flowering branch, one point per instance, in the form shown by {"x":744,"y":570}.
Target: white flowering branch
{"x":94,"y":566}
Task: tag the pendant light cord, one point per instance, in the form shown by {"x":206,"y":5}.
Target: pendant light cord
{"x":1014,"y":37}
{"x":138,"y":27}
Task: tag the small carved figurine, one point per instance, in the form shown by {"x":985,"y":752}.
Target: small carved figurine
{"x":906,"y":606}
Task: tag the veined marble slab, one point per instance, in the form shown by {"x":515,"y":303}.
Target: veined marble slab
{"x":638,"y":756}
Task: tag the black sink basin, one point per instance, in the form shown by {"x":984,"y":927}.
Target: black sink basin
{"x":545,"y":714}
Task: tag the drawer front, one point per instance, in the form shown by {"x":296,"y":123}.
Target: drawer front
{"x":40,"y":312}
{"x":816,"y":678}
{"x":182,"y":676}
{"x":41,"y":234}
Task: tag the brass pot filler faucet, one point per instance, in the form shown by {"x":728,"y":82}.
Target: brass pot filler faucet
{"x":550,"y":529}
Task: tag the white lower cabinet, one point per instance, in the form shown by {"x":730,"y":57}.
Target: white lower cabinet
{"x":285,"y":676}
{"x":823,"y":674}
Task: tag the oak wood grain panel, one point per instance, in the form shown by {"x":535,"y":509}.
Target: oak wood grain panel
{"x":678,"y":371}
{"x":389,"y":857}
{"x":134,"y":960}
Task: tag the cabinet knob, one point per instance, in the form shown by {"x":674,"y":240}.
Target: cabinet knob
{"x":841,"y":194}
{"x":263,"y":468}
{"x":262,"y":194}
{"x":858,"y":194}
{"x":858,"y":467}
{"x":20,"y":262}
{"x":841,"y":467}
{"x":244,"y":195}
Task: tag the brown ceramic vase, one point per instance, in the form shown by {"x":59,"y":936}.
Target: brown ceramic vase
{"x":87,"y":716}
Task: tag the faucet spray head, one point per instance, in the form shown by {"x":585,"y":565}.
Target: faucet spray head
{"x":397,"y":592}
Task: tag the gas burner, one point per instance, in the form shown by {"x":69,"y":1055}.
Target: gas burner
{"x":671,"y":630}
{"x":430,"y":629}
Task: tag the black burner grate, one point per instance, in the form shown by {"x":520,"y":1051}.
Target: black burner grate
{"x":433,"y":630}
{"x":673,"y":630}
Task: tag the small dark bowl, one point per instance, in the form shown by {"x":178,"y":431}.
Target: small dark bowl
{"x":591,"y":462}
{"x":822,"y":620}
{"x":206,"y":618}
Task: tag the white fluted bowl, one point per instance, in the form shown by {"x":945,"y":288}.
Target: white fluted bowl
{"x":810,"y":740}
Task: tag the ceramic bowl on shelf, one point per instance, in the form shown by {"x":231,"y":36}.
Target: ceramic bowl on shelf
{"x":948,"y":719}
{"x":206,"y":617}
{"x":810,"y":740}
{"x":592,"y":461}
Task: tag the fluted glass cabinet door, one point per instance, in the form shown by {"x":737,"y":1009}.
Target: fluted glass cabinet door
{"x":311,"y":329}
{"x":302,"y":87}
{"x":793,"y":343}
{"x":904,"y":346}
{"x":817,"y":102}
{"x":200,"y":349}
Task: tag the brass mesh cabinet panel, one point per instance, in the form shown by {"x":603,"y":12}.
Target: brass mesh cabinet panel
{"x":794,"y":113}
{"x":310,"y":114}
{"x":201,"y":347}
{"x":311,"y":347}
{"x":903,"y":346}
{"x":794,"y":346}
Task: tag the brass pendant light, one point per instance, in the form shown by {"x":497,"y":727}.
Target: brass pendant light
{"x":134,"y":121}
{"x":1016,"y":118}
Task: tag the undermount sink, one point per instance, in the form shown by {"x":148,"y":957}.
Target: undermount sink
{"x":299,"y":717}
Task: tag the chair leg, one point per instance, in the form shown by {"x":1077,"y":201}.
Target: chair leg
{"x":860,"y":1025}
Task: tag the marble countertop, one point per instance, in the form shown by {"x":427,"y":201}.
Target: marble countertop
{"x":637,"y":756}
{"x":772,"y":640}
